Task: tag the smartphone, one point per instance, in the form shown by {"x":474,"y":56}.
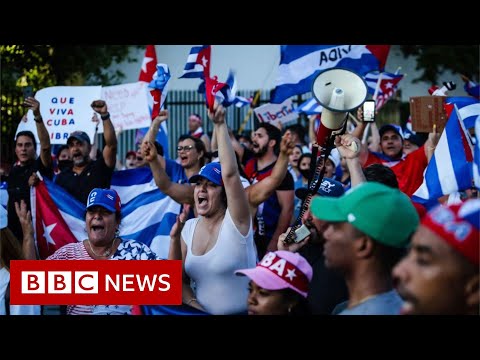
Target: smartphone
{"x":369,"y":111}
{"x":301,"y":233}
{"x":27,"y":91}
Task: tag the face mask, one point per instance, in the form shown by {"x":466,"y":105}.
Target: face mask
{"x":64,"y":164}
{"x":305,"y":173}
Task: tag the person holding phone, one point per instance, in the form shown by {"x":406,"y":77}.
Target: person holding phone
{"x":27,"y":164}
{"x":407,"y":168}
{"x":369,"y":111}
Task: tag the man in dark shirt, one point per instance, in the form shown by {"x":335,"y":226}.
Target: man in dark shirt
{"x":86,"y":174}
{"x":327,"y":288}
{"x":28,"y":163}
{"x":273,"y":215}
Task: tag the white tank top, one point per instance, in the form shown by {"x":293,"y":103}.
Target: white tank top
{"x":217,"y":288}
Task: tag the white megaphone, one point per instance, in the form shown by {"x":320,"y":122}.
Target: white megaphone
{"x":338,"y":91}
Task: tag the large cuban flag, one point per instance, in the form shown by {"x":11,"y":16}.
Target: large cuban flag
{"x":299,"y":64}
{"x":451,"y":167}
{"x":147,"y":214}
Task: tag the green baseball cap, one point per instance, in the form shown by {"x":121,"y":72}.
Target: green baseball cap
{"x":385,"y":214}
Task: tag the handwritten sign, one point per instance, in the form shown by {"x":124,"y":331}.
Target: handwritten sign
{"x":64,"y":109}
{"x":127,"y":105}
{"x":275,"y":113}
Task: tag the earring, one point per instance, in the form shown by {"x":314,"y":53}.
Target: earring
{"x":117,"y":233}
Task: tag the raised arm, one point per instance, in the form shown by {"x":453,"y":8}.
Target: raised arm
{"x":343,"y":143}
{"x":236,"y":196}
{"x":431,"y":143}
{"x":93,"y":150}
{"x":262,"y":190}
{"x":45,"y":147}
{"x":181,"y":193}
{"x":25,"y":218}
{"x":110,"y":149}
{"x":175,"y":249}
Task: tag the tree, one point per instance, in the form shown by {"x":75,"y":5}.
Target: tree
{"x":42,"y":66}
{"x":435,"y":59}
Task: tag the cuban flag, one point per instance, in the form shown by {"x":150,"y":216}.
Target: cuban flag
{"x":241,"y":101}
{"x":310,"y":107}
{"x":147,"y":214}
{"x":387,"y":87}
{"x":450,"y":168}
{"x":472,"y":89}
{"x":225,"y":93}
{"x":148,"y":64}
{"x":216,"y":90}
{"x":468,"y":108}
{"x":300,"y":64}
{"x":159,"y":88}
{"x":198,"y":63}
{"x":147,"y":73}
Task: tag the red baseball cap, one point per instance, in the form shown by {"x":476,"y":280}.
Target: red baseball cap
{"x":459,"y":226}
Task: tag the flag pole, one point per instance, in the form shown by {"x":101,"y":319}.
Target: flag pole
{"x":247,"y":117}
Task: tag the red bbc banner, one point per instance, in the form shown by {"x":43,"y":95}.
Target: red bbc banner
{"x":87,"y":282}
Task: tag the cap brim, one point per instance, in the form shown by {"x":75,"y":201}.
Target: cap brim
{"x":109,"y":208}
{"x":327,"y":209}
{"x":264,"y":278}
{"x":197,"y":177}
{"x":76,"y":138}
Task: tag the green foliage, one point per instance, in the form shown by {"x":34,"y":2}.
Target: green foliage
{"x":433,"y":60}
{"x":41,"y":66}
{"x":49,"y":65}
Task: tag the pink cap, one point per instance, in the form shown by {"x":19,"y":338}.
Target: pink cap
{"x":280,"y":270}
{"x":459,"y":226}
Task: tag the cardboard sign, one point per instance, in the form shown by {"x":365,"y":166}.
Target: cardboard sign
{"x":426,"y":111}
{"x":127,"y":105}
{"x":275,"y":113}
{"x":64,"y":109}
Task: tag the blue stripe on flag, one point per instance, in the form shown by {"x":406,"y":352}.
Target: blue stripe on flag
{"x":448,"y":171}
{"x":300,"y":64}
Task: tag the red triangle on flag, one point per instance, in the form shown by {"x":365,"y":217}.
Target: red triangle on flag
{"x":52,"y":232}
{"x":149,"y":64}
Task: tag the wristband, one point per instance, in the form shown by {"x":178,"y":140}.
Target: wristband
{"x":38,"y":118}
{"x":105,"y":117}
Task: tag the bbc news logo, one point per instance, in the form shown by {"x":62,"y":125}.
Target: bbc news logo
{"x":87,"y":282}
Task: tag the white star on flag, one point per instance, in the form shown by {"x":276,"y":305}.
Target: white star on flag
{"x":46,"y":232}
{"x":389,"y":85}
{"x":290,"y":274}
{"x":146,"y":60}
{"x":204,"y":61}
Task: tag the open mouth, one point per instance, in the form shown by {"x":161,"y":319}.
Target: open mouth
{"x":97,"y":228}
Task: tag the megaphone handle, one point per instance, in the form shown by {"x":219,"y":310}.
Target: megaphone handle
{"x":313,"y":187}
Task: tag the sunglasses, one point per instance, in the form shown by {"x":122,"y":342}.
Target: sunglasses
{"x":186,"y":148}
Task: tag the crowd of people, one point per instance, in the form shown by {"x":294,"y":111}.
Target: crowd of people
{"x":368,"y":248}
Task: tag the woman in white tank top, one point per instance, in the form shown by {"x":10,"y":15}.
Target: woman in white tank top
{"x":220,"y":240}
